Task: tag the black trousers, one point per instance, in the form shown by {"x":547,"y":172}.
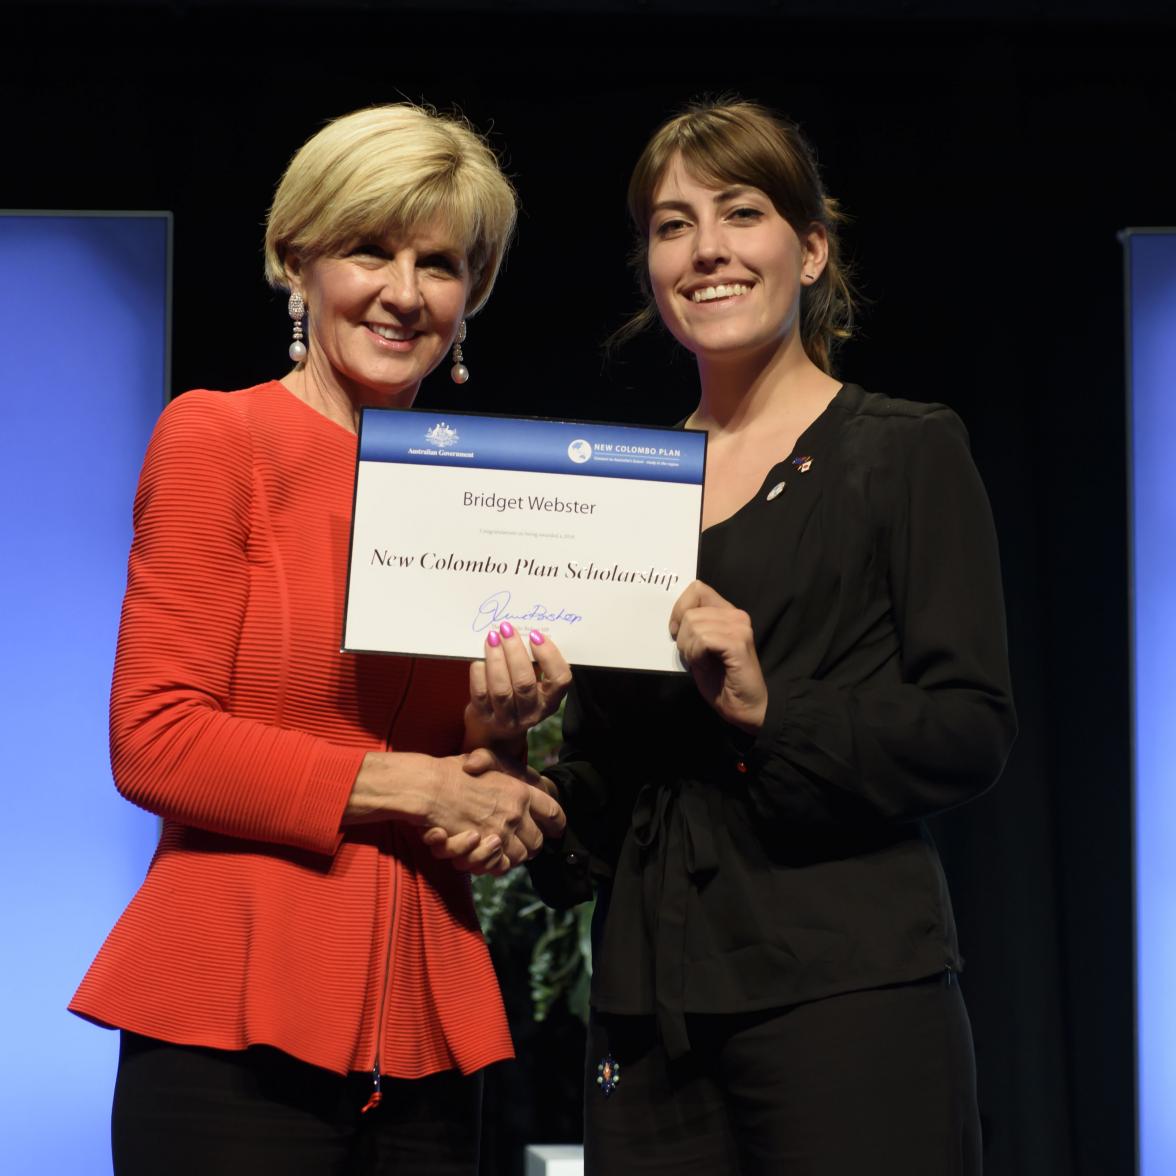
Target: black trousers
{"x":190,"y":1111}
{"x":877,"y":1083}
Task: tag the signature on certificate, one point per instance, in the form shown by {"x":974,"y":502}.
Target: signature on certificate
{"x":496,"y":608}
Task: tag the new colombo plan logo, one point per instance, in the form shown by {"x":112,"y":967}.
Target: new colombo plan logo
{"x":580,"y":450}
{"x":441,"y":436}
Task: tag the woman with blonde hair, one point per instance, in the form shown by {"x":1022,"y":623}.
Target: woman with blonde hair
{"x":775,"y":965}
{"x":300,"y":982}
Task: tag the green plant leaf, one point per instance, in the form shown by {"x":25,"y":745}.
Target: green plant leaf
{"x":555,"y":947}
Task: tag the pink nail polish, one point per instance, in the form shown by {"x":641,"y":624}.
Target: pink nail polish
{"x":536,"y":637}
{"x":507,"y":629}
{"x":493,"y":640}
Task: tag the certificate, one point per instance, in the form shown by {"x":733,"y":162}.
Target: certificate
{"x":586,"y":532}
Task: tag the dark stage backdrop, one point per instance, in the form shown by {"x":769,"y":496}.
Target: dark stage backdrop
{"x":987,"y":163}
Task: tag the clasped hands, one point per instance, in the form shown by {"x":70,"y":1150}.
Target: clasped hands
{"x":509,"y":694}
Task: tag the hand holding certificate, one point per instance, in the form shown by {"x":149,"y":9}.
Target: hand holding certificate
{"x":585,"y":533}
{"x":509,"y":695}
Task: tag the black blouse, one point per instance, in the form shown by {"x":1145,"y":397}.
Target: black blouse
{"x":736,"y":874}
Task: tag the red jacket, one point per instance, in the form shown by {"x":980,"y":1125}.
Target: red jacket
{"x":235,"y":717}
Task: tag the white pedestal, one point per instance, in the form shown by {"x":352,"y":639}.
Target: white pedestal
{"x":554,"y":1159}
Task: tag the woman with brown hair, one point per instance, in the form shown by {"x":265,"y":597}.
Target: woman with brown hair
{"x":775,"y":967}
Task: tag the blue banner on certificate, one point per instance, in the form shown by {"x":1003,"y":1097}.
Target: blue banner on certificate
{"x":585,"y":532}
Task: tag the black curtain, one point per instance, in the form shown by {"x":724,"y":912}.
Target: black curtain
{"x":987,"y":165}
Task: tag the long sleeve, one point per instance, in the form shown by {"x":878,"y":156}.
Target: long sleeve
{"x":748,"y":873}
{"x":940,"y":734}
{"x":176,"y":749}
{"x":589,"y":791}
{"x":236,"y":717}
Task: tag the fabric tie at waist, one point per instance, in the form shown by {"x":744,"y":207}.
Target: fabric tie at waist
{"x":673,"y":826}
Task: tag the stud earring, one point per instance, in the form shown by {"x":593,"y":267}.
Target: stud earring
{"x":459,"y":373}
{"x":297,"y":309}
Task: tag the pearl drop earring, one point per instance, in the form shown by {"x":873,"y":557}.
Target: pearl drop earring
{"x":459,"y":373}
{"x":297,"y":309}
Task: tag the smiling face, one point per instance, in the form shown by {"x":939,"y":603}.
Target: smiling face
{"x":726,"y":269}
{"x":383,"y":314}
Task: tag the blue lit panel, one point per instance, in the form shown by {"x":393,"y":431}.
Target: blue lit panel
{"x":1151,"y":290}
{"x":83,"y":358}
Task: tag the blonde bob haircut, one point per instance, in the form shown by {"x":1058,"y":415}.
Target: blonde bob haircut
{"x":392,"y":169}
{"x":727,"y":142}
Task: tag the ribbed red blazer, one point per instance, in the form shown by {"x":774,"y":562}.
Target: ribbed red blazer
{"x":235,"y":717}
